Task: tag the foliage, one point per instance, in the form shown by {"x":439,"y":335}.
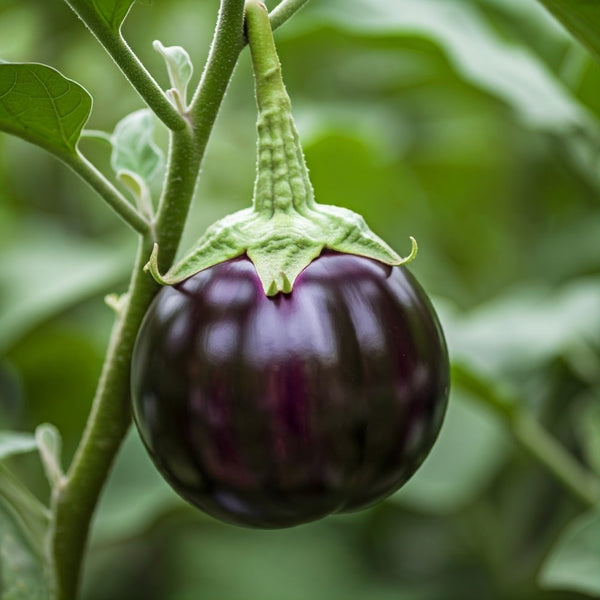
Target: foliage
{"x":472,"y":125}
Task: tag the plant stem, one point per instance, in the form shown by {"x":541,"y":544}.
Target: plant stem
{"x":228,"y":42}
{"x":535,"y":440}
{"x":284,"y":11}
{"x":135,"y":72}
{"x":96,"y":134}
{"x":270,"y":88}
{"x":531,"y":436}
{"x":74,"y":502}
{"x":278,"y":139}
{"x":90,"y":174}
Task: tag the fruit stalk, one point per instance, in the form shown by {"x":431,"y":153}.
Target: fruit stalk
{"x":286,"y":228}
{"x":282,"y":183}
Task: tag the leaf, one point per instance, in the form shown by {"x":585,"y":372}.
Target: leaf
{"x":66,"y":271}
{"x":15,"y":442}
{"x":574,"y":562}
{"x":42,"y":106}
{"x":138,"y":187}
{"x":180,"y":69}
{"x":481,"y":56}
{"x":21,"y":570}
{"x":581,"y":18}
{"x":525,"y":328}
{"x":134,"y":150}
{"x":50,"y":446}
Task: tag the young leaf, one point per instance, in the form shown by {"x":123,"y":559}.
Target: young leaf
{"x":138,"y":187}
{"x":16,"y":442}
{"x":134,"y":150}
{"x":574,"y":563}
{"x":42,"y":106}
{"x":50,"y":446}
{"x":21,"y":572}
{"x":581,"y":18}
{"x":180,"y":69}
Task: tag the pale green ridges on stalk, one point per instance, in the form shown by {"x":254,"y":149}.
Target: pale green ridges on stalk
{"x":285,"y":229}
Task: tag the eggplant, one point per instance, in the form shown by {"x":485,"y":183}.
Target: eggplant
{"x":272,"y":411}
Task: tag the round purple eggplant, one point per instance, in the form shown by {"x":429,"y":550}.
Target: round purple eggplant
{"x":274,"y":411}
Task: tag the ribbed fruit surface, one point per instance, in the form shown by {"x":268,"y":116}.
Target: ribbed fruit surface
{"x":274,"y":411}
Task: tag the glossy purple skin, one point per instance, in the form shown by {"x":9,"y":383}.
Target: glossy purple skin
{"x":271,"y":412}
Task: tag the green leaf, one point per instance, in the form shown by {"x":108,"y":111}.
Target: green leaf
{"x":479,"y":54}
{"x":526,"y":327}
{"x":180,"y":69}
{"x":16,"y":442}
{"x":574,"y":563}
{"x":42,"y":106}
{"x":581,"y":18}
{"x":21,"y":569}
{"x":134,"y":150}
{"x":67,"y":271}
{"x":50,"y":447}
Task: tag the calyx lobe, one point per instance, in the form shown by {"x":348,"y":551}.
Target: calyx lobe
{"x":285,"y":229}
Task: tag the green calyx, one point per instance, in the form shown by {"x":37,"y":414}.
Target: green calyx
{"x":285,"y":229}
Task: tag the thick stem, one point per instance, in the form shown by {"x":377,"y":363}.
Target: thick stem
{"x":74,"y":502}
{"x":228,"y":42}
{"x":284,"y":11}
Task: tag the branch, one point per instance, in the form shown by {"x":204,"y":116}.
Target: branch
{"x":130,"y":65}
{"x":228,"y":41}
{"x":284,"y":11}
{"x":74,"y":500}
{"x":88,"y":172}
{"x":532,"y":437}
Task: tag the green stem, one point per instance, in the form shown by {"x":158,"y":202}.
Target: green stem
{"x":531,"y":436}
{"x":96,"y":134}
{"x":535,"y":440}
{"x":282,"y":182}
{"x":90,"y":174}
{"x":267,"y":68}
{"x":130,"y":65}
{"x":228,"y":42}
{"x":284,"y":11}
{"x":74,"y":502}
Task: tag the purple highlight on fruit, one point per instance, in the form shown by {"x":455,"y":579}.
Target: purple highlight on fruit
{"x":274,"y":411}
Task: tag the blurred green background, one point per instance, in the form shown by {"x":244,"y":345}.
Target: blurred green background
{"x":472,"y":125}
